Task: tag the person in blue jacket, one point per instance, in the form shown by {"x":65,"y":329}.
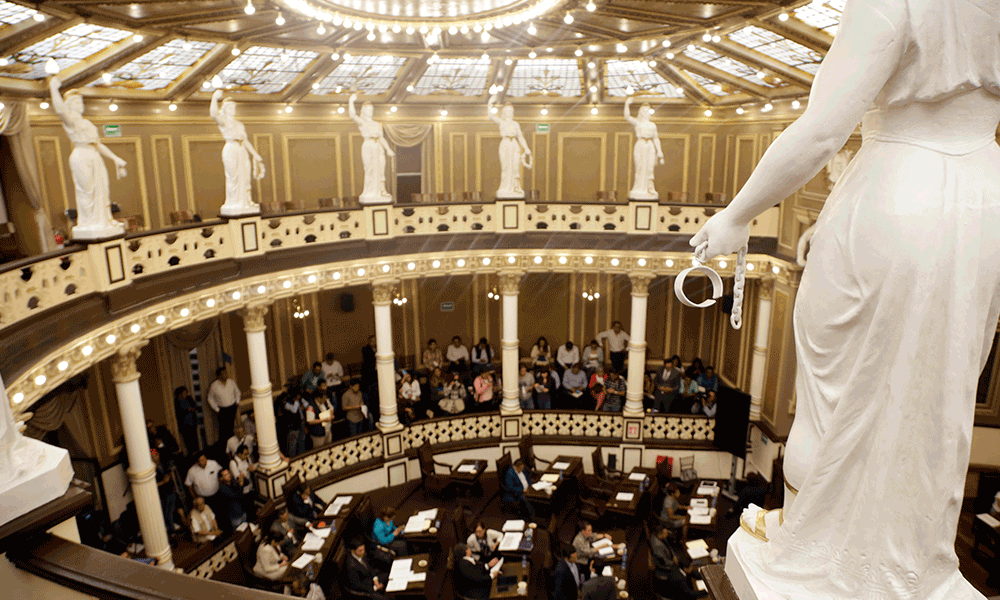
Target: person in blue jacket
{"x":516,"y":481}
{"x":385,"y":533}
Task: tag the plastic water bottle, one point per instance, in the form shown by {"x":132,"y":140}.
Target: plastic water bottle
{"x":310,"y":571}
{"x":437,"y":524}
{"x":528,"y":534}
{"x":524,"y":561}
{"x":560,"y":475}
{"x":624,"y":558}
{"x":641,"y":484}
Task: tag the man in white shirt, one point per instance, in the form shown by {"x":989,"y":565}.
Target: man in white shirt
{"x":567,"y":354}
{"x":203,"y":477}
{"x":224,"y":398}
{"x":203,"y":525}
{"x":457,"y":355}
{"x":333,"y":372}
{"x":615,"y":344}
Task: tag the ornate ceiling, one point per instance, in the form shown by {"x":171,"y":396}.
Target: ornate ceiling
{"x":728,"y":52}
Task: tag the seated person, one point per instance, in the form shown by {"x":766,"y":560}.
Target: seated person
{"x":484,"y":543}
{"x":436,"y":383}
{"x":306,"y":505}
{"x":407,"y":398}
{"x":599,"y":586}
{"x":526,"y":388}
{"x":360,"y":577}
{"x":385,"y":533}
{"x":457,"y":355}
{"x":755,"y":492}
{"x":709,"y":380}
{"x":709,"y":406}
{"x":544,"y":387}
{"x":583,"y":542}
{"x":574,"y":385}
{"x":597,"y":392}
{"x":472,"y":580}
{"x":203,"y":525}
{"x":614,"y":388}
{"x":432,"y":358}
{"x":516,"y":481}
{"x":453,"y":399}
{"x":671,"y":574}
{"x":482,"y":356}
{"x":271,"y":563}
{"x":287,"y":527}
{"x":670,"y":515}
{"x":995,"y":509}
{"x":541,"y":354}
{"x":301,"y":588}
{"x":687,"y":394}
{"x":567,"y":576}
{"x":231,"y":496}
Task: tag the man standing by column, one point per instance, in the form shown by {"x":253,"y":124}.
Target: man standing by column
{"x":224,"y":398}
{"x":614,"y":342}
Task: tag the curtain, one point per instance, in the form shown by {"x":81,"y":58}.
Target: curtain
{"x":174,"y":350}
{"x":409,"y":136}
{"x":51,"y":412}
{"x":191,"y":336}
{"x":14,"y":124}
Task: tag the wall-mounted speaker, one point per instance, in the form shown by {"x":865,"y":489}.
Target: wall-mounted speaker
{"x":347,"y":303}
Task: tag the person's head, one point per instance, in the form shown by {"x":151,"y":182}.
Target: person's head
{"x":274,"y":538}
{"x":585,"y":528}
{"x":594,"y":345}
{"x":483,"y":343}
{"x":367,"y":110}
{"x":321,"y":388}
{"x":542,"y":342}
{"x":569,"y":344}
{"x":616,"y":326}
{"x":710,"y":398}
{"x":519,"y":465}
{"x":221,"y":374}
{"x":74,"y":102}
{"x":283,"y":514}
{"x":480,"y":530}
{"x":225,"y":476}
{"x":329,"y":357}
{"x":455,"y":376}
{"x":673,"y":490}
{"x":407,"y":378}
{"x":542,"y":374}
{"x":697,"y":364}
{"x":644,"y":112}
{"x":198,"y":503}
{"x":599,"y":370}
{"x":461,"y":551}
{"x":238,"y":430}
{"x":668,"y":363}
{"x":597,"y":389}
{"x":317,"y":368}
{"x":300,"y":585}
{"x":242,"y":451}
{"x":569,"y":553}
{"x":522,"y":370}
{"x":662,"y":532}
{"x":355,"y":385}
{"x":387,"y":513}
{"x":710,"y":371}
{"x":456,"y":341}
{"x":676,"y":360}
{"x":507,"y":112}
{"x":201,"y":459}
{"x":613,"y":374}
{"x":371,"y":341}
{"x":305,"y":491}
{"x":575,"y":368}
{"x":754,"y":479}
{"x":181,"y":392}
{"x":357,"y":547}
{"x":437,"y":371}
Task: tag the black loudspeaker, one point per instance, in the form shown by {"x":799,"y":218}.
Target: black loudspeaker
{"x":732,"y":418}
{"x":727,"y":304}
{"x":347,"y":303}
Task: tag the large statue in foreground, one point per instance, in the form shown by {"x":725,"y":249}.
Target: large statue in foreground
{"x":646,"y":153}
{"x":896,"y":309}
{"x":236,"y":159}
{"x":514,"y":151}
{"x":373,"y":154}
{"x":90,"y":175}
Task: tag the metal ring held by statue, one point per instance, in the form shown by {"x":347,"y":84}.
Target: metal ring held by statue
{"x":708,"y":272}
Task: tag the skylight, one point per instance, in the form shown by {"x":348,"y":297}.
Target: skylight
{"x":371,"y":75}
{"x":822,"y":15}
{"x":11,"y":14}
{"x":67,"y":48}
{"x":158,"y":68}
{"x":707,"y":84}
{"x":264,"y":70}
{"x":546,"y":77}
{"x":777,"y":47}
{"x":724,"y":63}
{"x":454,"y":77}
{"x":622,"y":74}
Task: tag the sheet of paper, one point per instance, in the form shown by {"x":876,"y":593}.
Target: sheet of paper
{"x":701,"y":520}
{"x":430,"y":513}
{"x":303,"y":561}
{"x":550,"y":477}
{"x":416,"y":524}
{"x":605,"y":552}
{"x":541,"y":485}
{"x":496,"y":567}
{"x":514,"y":525}
{"x":312,"y":542}
{"x":988,"y":519}
{"x":401,"y":567}
{"x":708,"y":491}
{"x":324,"y":415}
{"x":396,"y":585}
{"x":696,"y":553}
{"x":637,"y":476}
{"x":700,"y":585}
{"x":697,"y":544}
{"x":698,"y":510}
{"x":467,"y":468}
{"x":624,"y":496}
{"x":511,"y":541}
{"x":560,"y":466}
{"x":323,"y":532}
{"x":418,"y":576}
{"x":700,"y":502}
{"x":243,"y":526}
{"x":602,"y":543}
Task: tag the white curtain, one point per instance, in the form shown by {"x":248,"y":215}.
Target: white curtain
{"x":409,"y":136}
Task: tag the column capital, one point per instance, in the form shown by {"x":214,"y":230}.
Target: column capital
{"x":510,"y":283}
{"x":766,"y":288}
{"x":640,"y":283}
{"x":123,"y":369}
{"x":253,"y":316}
{"x":382,"y":292}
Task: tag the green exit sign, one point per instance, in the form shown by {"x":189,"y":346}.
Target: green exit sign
{"x":447,"y":306}
{"x":112,"y":131}
{"x":541,"y":128}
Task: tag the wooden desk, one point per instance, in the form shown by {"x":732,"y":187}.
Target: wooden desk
{"x":323,"y":572}
{"x":985,"y":533}
{"x":574,"y":472}
{"x":513,"y":569}
{"x":468,"y":480}
{"x":420,"y":564}
{"x":427,"y":538}
{"x":631,"y":486}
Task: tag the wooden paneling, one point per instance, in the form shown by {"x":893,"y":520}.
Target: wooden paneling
{"x":488,"y":164}
{"x":582,"y":166}
{"x":543,"y":306}
{"x":307,"y":156}
{"x":204,"y":175}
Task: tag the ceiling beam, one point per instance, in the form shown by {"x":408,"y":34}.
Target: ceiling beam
{"x":756,"y":59}
{"x":110,"y":59}
{"x":265,"y":30}
{"x":797,"y":31}
{"x":317,"y":70}
{"x":691,"y":87}
{"x":720,"y":76}
{"x":597,"y":31}
{"x":189,"y":83}
{"x":411,"y":73}
{"x":647,"y":16}
{"x":195,"y":18}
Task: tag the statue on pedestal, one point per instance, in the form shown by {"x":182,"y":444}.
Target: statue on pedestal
{"x":373,"y":154}
{"x":514,"y":151}
{"x":896,"y":310}
{"x":646,"y":154}
{"x":236,"y":156}
{"x":90,"y":175}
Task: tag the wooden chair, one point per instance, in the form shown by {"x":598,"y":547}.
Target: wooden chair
{"x":290,"y":487}
{"x":180,"y":217}
{"x":604,"y":480}
{"x":526,"y":448}
{"x":291,"y":205}
{"x":689,"y":476}
{"x":459,"y":523}
{"x":504,"y":464}
{"x":434,"y":482}
{"x":247,"y":556}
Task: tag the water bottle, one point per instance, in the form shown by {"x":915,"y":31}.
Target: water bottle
{"x":524,"y":561}
{"x":527,"y":534}
{"x":560,"y":475}
{"x":624,"y":558}
{"x":437,"y":524}
{"x":641,"y":484}
{"x":310,"y":571}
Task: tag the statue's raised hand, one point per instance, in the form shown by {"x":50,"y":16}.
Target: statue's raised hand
{"x":719,"y":236}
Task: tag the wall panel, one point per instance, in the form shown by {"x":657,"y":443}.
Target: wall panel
{"x":672,"y":176}
{"x":582,"y":169}
{"x":204,"y":175}
{"x":305,"y":156}
{"x":130,"y":192}
{"x":165,"y":176}
{"x":488,"y":164}
{"x":706,"y":166}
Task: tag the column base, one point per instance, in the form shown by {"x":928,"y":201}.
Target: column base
{"x":384,"y":429}
{"x":270,"y":481}
{"x":510,"y":426}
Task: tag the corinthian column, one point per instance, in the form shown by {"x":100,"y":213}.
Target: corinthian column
{"x":510,"y":284}
{"x":384,"y":364}
{"x":141,"y":472}
{"x":260,"y":388}
{"x":637,"y":345}
{"x":759,"y":360}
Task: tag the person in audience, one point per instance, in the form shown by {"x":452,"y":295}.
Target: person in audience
{"x":361,"y":578}
{"x":311,"y":378}
{"x":319,"y":417}
{"x":457,"y":356}
{"x":483,"y":389}
{"x":305,"y":504}
{"x":614,"y":387}
{"x":995,"y":509}
{"x":544,"y":386}
{"x":599,"y":586}
{"x":472,"y":580}
{"x":672,"y":579}
{"x":352,"y":401}
{"x":333,"y":373}
{"x":567,"y":577}
{"x":231,"y":498}
{"x":240,"y":438}
{"x":709,"y":406}
{"x":599,"y":396}
{"x":301,"y":588}
{"x":187,"y":419}
{"x":432,"y":357}
{"x":697,"y":368}
{"x":516,"y":481}
{"x":246,"y":419}
{"x":204,"y":528}
{"x":567,"y":355}
{"x":407,"y":398}
{"x":755,"y":492}
{"x":485,"y":544}
{"x":598,"y":376}
{"x":648,"y":390}
{"x":687,"y":394}
{"x":271,"y":562}
{"x":164,"y":442}
{"x":614,"y":341}
{"x":482,"y":356}
{"x":168,"y":495}
{"x":224,"y":398}
{"x":386,"y":533}
{"x":436,"y":383}
{"x":294,"y":422}
{"x":583,"y":542}
{"x":670,"y":515}
{"x":287,"y":527}
{"x":369,"y":377}
{"x":593,"y":357}
{"x":556,"y":379}
{"x":453,"y":398}
{"x":526,"y":388}
{"x":541,"y":353}
{"x":242,"y":469}
{"x":203,"y":477}
{"x":574,"y":385}
{"x":668,"y":380}
{"x":709,"y":380}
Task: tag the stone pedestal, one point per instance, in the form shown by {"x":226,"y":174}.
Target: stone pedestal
{"x":44,"y":475}
{"x":239,"y":211}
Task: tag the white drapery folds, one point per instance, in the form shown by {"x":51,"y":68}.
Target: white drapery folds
{"x":408,"y":136}
{"x":14,"y":124}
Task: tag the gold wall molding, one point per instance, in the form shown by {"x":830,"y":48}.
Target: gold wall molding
{"x":46,"y":193}
{"x":564,"y":135}
{"x":272,"y":170}
{"x":337,"y":166}
{"x":698,"y":191}
{"x":736,"y":161}
{"x":452,"y":136}
{"x":137,"y":170}
{"x":626,"y":182}
{"x":687,"y":156}
{"x":480,"y":157}
{"x":158,"y":180}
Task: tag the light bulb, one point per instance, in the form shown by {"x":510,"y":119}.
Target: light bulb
{"x":591,"y":7}
{"x":3,"y":62}
{"x":723,"y":264}
{"x":578,"y":52}
{"x":87,"y":350}
{"x":312,"y":279}
{"x":361,"y":272}
{"x":340,"y":110}
{"x":589,"y":260}
{"x":336,"y":275}
{"x":235,"y":52}
{"x":532,"y":54}
{"x":486,"y":261}
{"x":716,"y":38}
{"x":511,"y":260}
{"x":187,"y":45}
{"x":538,"y":260}
{"x":393,"y":109}
{"x":670,"y":55}
{"x":423,"y":30}
{"x":652,"y":63}
{"x":585,"y":295}
{"x":210,"y":303}
{"x":135,"y":328}
{"x":286,"y":284}
{"x":796,"y":104}
{"x":40,"y":380}
{"x":669,"y":262}
{"x":397,"y":28}
{"x":642,"y":262}
{"x":315,"y":85}
{"x":708,"y":112}
{"x":783,"y":17}
{"x":410,"y":88}
{"x":18,"y":398}
{"x":386,"y":268}
{"x":249,"y":8}
{"x":562,"y":260}
{"x":51,"y":66}
{"x":508,"y":62}
{"x":160,"y":319}
{"x":666,"y":43}
{"x":750,"y":267}
{"x":460,"y":262}
{"x":622,"y":48}
{"x":740,"y":110}
{"x":410,"y":31}
{"x":531,"y":29}
{"x":568,"y":19}
{"x":691,"y":48}
{"x":113,"y":106}
{"x":436,"y":264}
{"x":185,"y":312}
{"x":761,"y":75}
{"x":63,"y":365}
{"x":110,"y":339}
{"x":44,"y":105}
{"x":591,"y":65}
{"x":39,"y":17}
{"x":593,"y":111}
{"x":767,"y":107}
{"x":544,"y":111}
{"x":444,"y":113}
{"x":280,"y":20}
{"x":453,"y":30}
{"x":137,"y":38}
{"x":597,"y":294}
{"x":629,"y":90}
{"x":775,"y":270}
{"x":614,"y":262}
{"x":410,"y":266}
{"x":371,"y":36}
{"x":321,"y":30}
{"x":707,"y":37}
{"x":485,"y":56}
{"x":288,"y":109}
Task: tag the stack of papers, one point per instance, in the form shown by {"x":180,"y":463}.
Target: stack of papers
{"x":416,"y":524}
{"x":511,"y":541}
{"x":637,"y":476}
{"x":430,"y":513}
{"x":337,"y":505}
{"x":697,"y":549}
{"x":312,"y":542}
{"x":988,"y":519}
{"x":699,"y":502}
{"x":467,"y":468}
{"x":550,"y":477}
{"x":303,"y":561}
{"x":700,"y":585}
{"x":323,"y":532}
{"x":513,"y":525}
{"x":708,"y":488}
{"x":560,"y":466}
{"x":400,"y":574}
{"x":624,"y":496}
{"x":601,"y":543}
{"x":542,"y":485}
{"x":702,"y":517}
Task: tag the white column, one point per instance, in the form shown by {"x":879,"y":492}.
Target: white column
{"x":637,"y":346}
{"x":384,"y":364}
{"x":141,"y":472}
{"x":510,"y":284}
{"x":260,"y":388}
{"x":759,"y":361}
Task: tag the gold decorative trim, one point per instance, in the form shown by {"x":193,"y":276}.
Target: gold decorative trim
{"x":760,"y":529}
{"x":157,"y":180}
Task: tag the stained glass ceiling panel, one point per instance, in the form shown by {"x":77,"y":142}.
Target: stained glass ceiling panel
{"x":264,"y":70}
{"x":822,"y":15}
{"x":11,"y":13}
{"x":619,"y":75}
{"x":454,"y":77}
{"x":546,"y":77}
{"x":67,"y":48}
{"x":724,"y":63}
{"x":777,"y":47}
{"x":371,"y":75}
{"x":708,"y":84}
{"x":157,"y":69}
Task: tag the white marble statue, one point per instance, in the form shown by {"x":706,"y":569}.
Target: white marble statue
{"x":90,"y":175}
{"x":646,"y":154}
{"x":236,"y":155}
{"x":897,"y":306}
{"x":373,"y":154}
{"x":514,"y":151}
